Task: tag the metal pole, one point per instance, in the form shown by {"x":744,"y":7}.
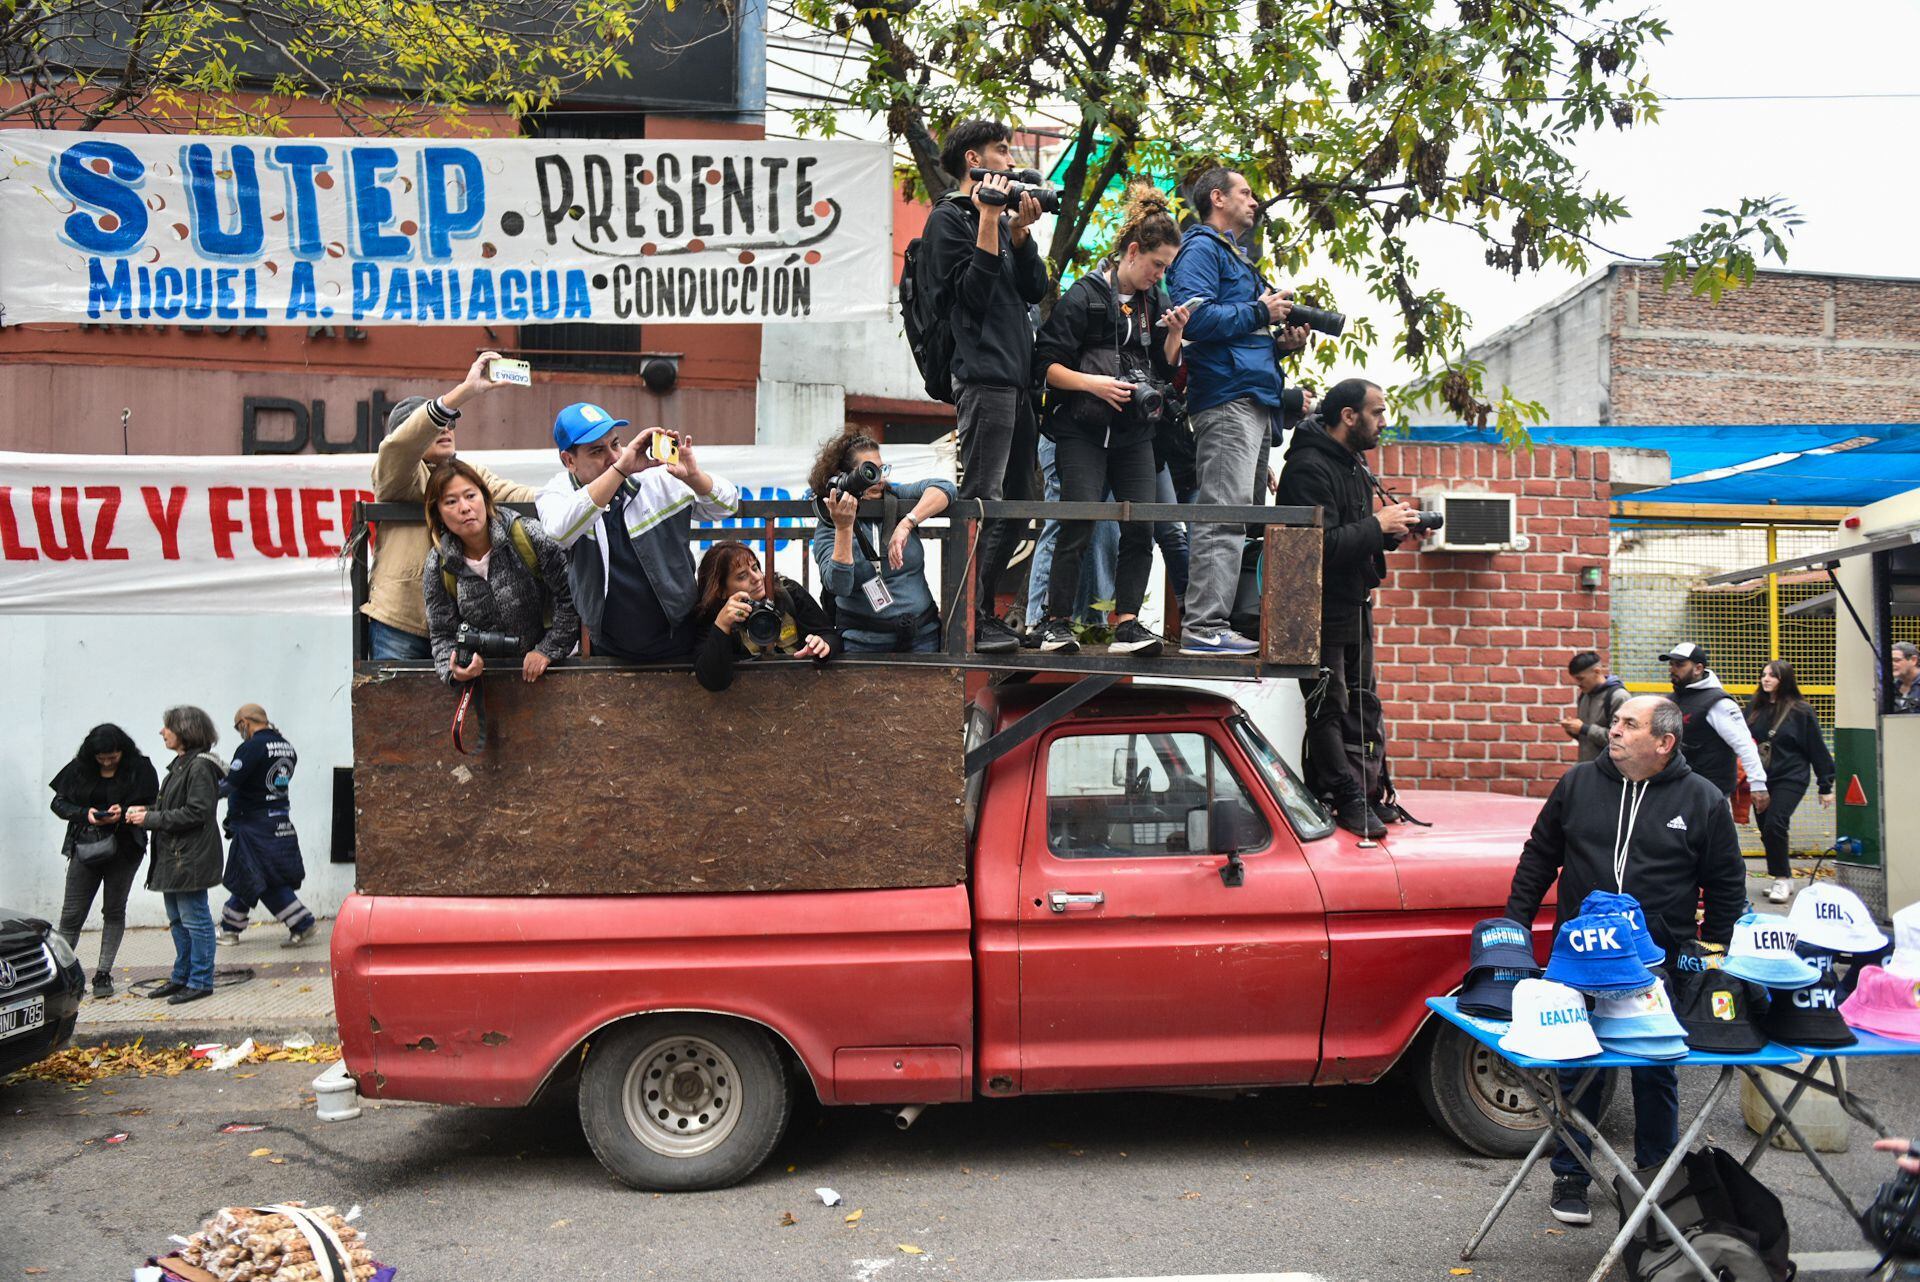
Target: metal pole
{"x":1773,"y":594}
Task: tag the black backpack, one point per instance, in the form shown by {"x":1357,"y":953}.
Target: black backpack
{"x":929,"y":327}
{"x":1733,"y":1220}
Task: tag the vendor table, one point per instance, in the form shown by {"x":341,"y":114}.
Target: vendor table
{"x":1540,"y":1078}
{"x":1868,"y":1045}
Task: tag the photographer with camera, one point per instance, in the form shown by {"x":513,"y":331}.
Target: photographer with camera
{"x":1105,"y":354}
{"x":1326,"y":468}
{"x":980,"y":247}
{"x":1233,"y":394}
{"x":739,"y":617}
{"x":873,"y":575}
{"x":496,"y":584}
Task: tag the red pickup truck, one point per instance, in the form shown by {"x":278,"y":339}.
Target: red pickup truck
{"x":1152,"y":902}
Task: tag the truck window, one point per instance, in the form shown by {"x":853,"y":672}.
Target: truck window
{"x":1115,"y":795}
{"x":1309,"y":818}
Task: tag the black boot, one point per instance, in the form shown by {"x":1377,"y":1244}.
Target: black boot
{"x":1356,"y":816}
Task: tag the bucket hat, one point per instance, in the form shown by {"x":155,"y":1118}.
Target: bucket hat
{"x":1549,"y":1022}
{"x":1883,"y":1003}
{"x":1762,"y":950}
{"x":1595,"y":953}
{"x":1645,"y":1014}
{"x":1718,"y":1011}
{"x":1606,"y":901}
{"x":1834,"y":918}
{"x":1488,"y":991}
{"x":1500,"y":956}
{"x":1692,"y":955}
{"x":1809,"y":1016}
{"x":1905,"y":961}
{"x":1648,"y":1047}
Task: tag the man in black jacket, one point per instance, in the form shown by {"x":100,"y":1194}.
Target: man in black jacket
{"x":980,"y":247}
{"x":1637,"y":820}
{"x":1325,"y":469}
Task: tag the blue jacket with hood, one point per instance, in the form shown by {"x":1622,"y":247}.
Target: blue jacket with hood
{"x":1229,"y":344}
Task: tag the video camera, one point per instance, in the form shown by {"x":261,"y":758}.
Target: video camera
{"x":1025,"y":182}
{"x":470,"y":641}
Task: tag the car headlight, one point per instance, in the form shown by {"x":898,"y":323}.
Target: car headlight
{"x":63,"y":954}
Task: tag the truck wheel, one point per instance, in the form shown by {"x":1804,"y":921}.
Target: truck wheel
{"x":681,"y":1102}
{"x":1475,"y":1096}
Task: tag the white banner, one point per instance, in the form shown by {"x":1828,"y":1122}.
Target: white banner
{"x":153,"y":534}
{"x":267,"y":231}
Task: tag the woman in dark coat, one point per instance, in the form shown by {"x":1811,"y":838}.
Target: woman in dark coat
{"x":187,"y":856}
{"x":728,"y":584}
{"x":1791,"y":748}
{"x":93,"y":793}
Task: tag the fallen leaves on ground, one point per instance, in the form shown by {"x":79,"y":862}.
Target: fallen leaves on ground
{"x":907,"y":1248}
{"x":786,"y":1220}
{"x":855,"y":1217}
{"x":261,"y":1152}
{"x":81,"y":1065}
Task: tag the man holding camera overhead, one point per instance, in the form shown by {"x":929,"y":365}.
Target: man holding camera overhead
{"x":980,"y":245}
{"x":624,"y":513}
{"x":1233,"y":394}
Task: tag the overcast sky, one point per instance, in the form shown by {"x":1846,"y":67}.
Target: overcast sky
{"x":1848,"y":164}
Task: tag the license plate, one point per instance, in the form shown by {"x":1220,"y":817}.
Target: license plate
{"x":23,"y":1017}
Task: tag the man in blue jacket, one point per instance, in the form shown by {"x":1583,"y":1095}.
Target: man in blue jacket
{"x":263,"y":863}
{"x":1233,"y":394}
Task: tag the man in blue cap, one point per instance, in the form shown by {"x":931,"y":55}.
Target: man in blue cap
{"x":1636,"y":821}
{"x":626,"y":520}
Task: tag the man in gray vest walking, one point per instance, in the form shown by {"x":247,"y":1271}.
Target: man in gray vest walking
{"x":1716,"y":730}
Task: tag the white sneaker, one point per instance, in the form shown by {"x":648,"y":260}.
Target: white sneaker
{"x":227,"y":936}
{"x":298,"y":937}
{"x":1780,"y":893}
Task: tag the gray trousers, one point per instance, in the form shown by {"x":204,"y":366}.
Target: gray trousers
{"x":999,"y":444}
{"x":111,"y":884}
{"x":1230,"y":444}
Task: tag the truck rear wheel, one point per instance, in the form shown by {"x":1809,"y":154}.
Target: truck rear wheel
{"x":1475,"y":1096}
{"x":680,"y":1102}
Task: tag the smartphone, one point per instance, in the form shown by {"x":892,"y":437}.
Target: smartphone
{"x":1194,"y":302}
{"x":662,"y":448}
{"x":501,"y":369}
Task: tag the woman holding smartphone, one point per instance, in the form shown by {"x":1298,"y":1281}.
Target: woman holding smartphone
{"x":107,"y":777}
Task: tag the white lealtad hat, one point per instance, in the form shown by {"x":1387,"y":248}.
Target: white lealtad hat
{"x":1549,"y":1022}
{"x":1905,"y":961}
{"x":1834,"y":918}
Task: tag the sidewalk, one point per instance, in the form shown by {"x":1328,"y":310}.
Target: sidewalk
{"x":291,"y":990}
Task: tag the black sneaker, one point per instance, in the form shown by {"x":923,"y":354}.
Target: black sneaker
{"x":1030,"y":639}
{"x":1384,"y":813}
{"x":167,"y":989}
{"x":102,"y":984}
{"x":1569,"y":1205}
{"x":991,"y":636}
{"x":1357,"y":816}
{"x":1136,"y":638}
{"x":186,"y":995}
{"x":1056,"y":637}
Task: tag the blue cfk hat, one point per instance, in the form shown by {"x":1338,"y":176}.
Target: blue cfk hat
{"x":1606,"y":901}
{"x":1595,"y":953}
{"x":581,"y":423}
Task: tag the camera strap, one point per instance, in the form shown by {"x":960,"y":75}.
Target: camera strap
{"x":470,"y":719}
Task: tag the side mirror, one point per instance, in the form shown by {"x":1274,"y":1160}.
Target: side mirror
{"x":1227,"y":826}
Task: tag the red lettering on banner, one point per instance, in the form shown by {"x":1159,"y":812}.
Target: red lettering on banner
{"x":166,"y":517}
{"x":102,"y":549}
{"x":315,"y":527}
{"x":74,"y":546}
{"x":10,"y":545}
{"x":287,"y":541}
{"x":220,"y":501}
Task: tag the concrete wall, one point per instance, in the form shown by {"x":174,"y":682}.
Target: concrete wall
{"x":1556,"y":356}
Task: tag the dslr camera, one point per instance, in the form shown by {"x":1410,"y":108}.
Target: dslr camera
{"x":856,"y":480}
{"x":764,"y":623}
{"x":470,"y":641}
{"x":1025,"y":182}
{"x":1148,"y":404}
{"x":1330,"y":323}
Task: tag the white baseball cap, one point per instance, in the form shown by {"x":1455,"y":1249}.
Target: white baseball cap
{"x":1833,"y":918}
{"x":1905,"y":961}
{"x":1549,"y":1022}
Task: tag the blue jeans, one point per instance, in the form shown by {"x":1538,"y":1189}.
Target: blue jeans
{"x":192,"y":924}
{"x":1103,"y":556}
{"x":387,"y":642}
{"x":1656,"y":1117}
{"x":1171,"y":536}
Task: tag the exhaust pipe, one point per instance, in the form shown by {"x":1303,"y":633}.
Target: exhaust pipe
{"x":907,"y":1115}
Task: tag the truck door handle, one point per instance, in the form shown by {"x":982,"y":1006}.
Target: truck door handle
{"x":1061,"y":900}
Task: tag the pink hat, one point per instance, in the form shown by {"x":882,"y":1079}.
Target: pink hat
{"x":1884,"y":1003}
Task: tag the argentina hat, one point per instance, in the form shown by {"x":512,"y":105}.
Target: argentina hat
{"x":1501,"y":941}
{"x":1488,"y":990}
{"x":1595,"y":953}
{"x":1549,"y":1022}
{"x":1762,"y":950}
{"x":1607,"y":901}
{"x":1718,"y":1011}
{"x":1834,"y":918}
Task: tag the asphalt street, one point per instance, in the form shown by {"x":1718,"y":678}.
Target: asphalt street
{"x":1349,"y":1184}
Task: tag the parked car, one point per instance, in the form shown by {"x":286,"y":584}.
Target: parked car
{"x":41,"y":983}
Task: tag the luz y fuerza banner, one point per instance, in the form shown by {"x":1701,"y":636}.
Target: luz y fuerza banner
{"x":143,"y":229}
{"x":163,"y":534}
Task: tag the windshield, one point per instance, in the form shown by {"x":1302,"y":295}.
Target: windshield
{"x":1309,"y":818}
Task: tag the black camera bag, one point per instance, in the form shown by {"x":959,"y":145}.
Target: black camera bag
{"x":1726,"y":1214}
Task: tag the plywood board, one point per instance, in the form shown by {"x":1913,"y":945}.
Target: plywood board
{"x":1290,"y":597}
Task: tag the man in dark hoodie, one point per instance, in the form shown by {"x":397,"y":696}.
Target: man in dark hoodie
{"x":1601,"y":695}
{"x":1325,"y":469}
{"x":980,"y":246}
{"x":1636,"y":820}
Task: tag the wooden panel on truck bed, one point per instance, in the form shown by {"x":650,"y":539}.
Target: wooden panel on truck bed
{"x":1291,"y":595}
{"x":618,"y":783}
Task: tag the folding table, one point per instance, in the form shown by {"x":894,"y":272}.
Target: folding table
{"x":1869,"y":1044}
{"x":1540,"y":1078}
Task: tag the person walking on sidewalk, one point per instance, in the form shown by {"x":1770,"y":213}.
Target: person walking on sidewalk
{"x":1601,"y":695}
{"x":1717,"y":742}
{"x":186,"y":848}
{"x":1787,"y":734}
{"x":263,"y":863}
{"x":93,"y":793}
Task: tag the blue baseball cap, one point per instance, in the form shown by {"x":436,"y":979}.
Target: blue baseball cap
{"x":1606,"y":901}
{"x":582,"y":422}
{"x":1595,"y":953}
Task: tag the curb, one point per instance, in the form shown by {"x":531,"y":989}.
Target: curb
{"x":229,"y":1032}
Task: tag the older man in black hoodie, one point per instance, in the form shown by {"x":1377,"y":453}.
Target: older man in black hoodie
{"x":1325,"y":469}
{"x":1639,"y":821}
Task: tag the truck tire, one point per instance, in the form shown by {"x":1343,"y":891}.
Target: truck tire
{"x":672,"y":1103}
{"x":1475,"y":1096}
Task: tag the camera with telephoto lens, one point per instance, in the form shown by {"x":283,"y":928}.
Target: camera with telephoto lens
{"x":1330,"y":323}
{"x":764,"y":623}
{"x":1892,"y":1223}
{"x":1424,"y":521}
{"x":470,"y":641}
{"x":1024,"y":182}
{"x":856,"y":480}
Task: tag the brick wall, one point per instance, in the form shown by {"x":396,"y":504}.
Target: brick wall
{"x":1472,"y":648}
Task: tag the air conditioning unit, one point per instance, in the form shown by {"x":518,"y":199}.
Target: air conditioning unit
{"x":1475,"y":523}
